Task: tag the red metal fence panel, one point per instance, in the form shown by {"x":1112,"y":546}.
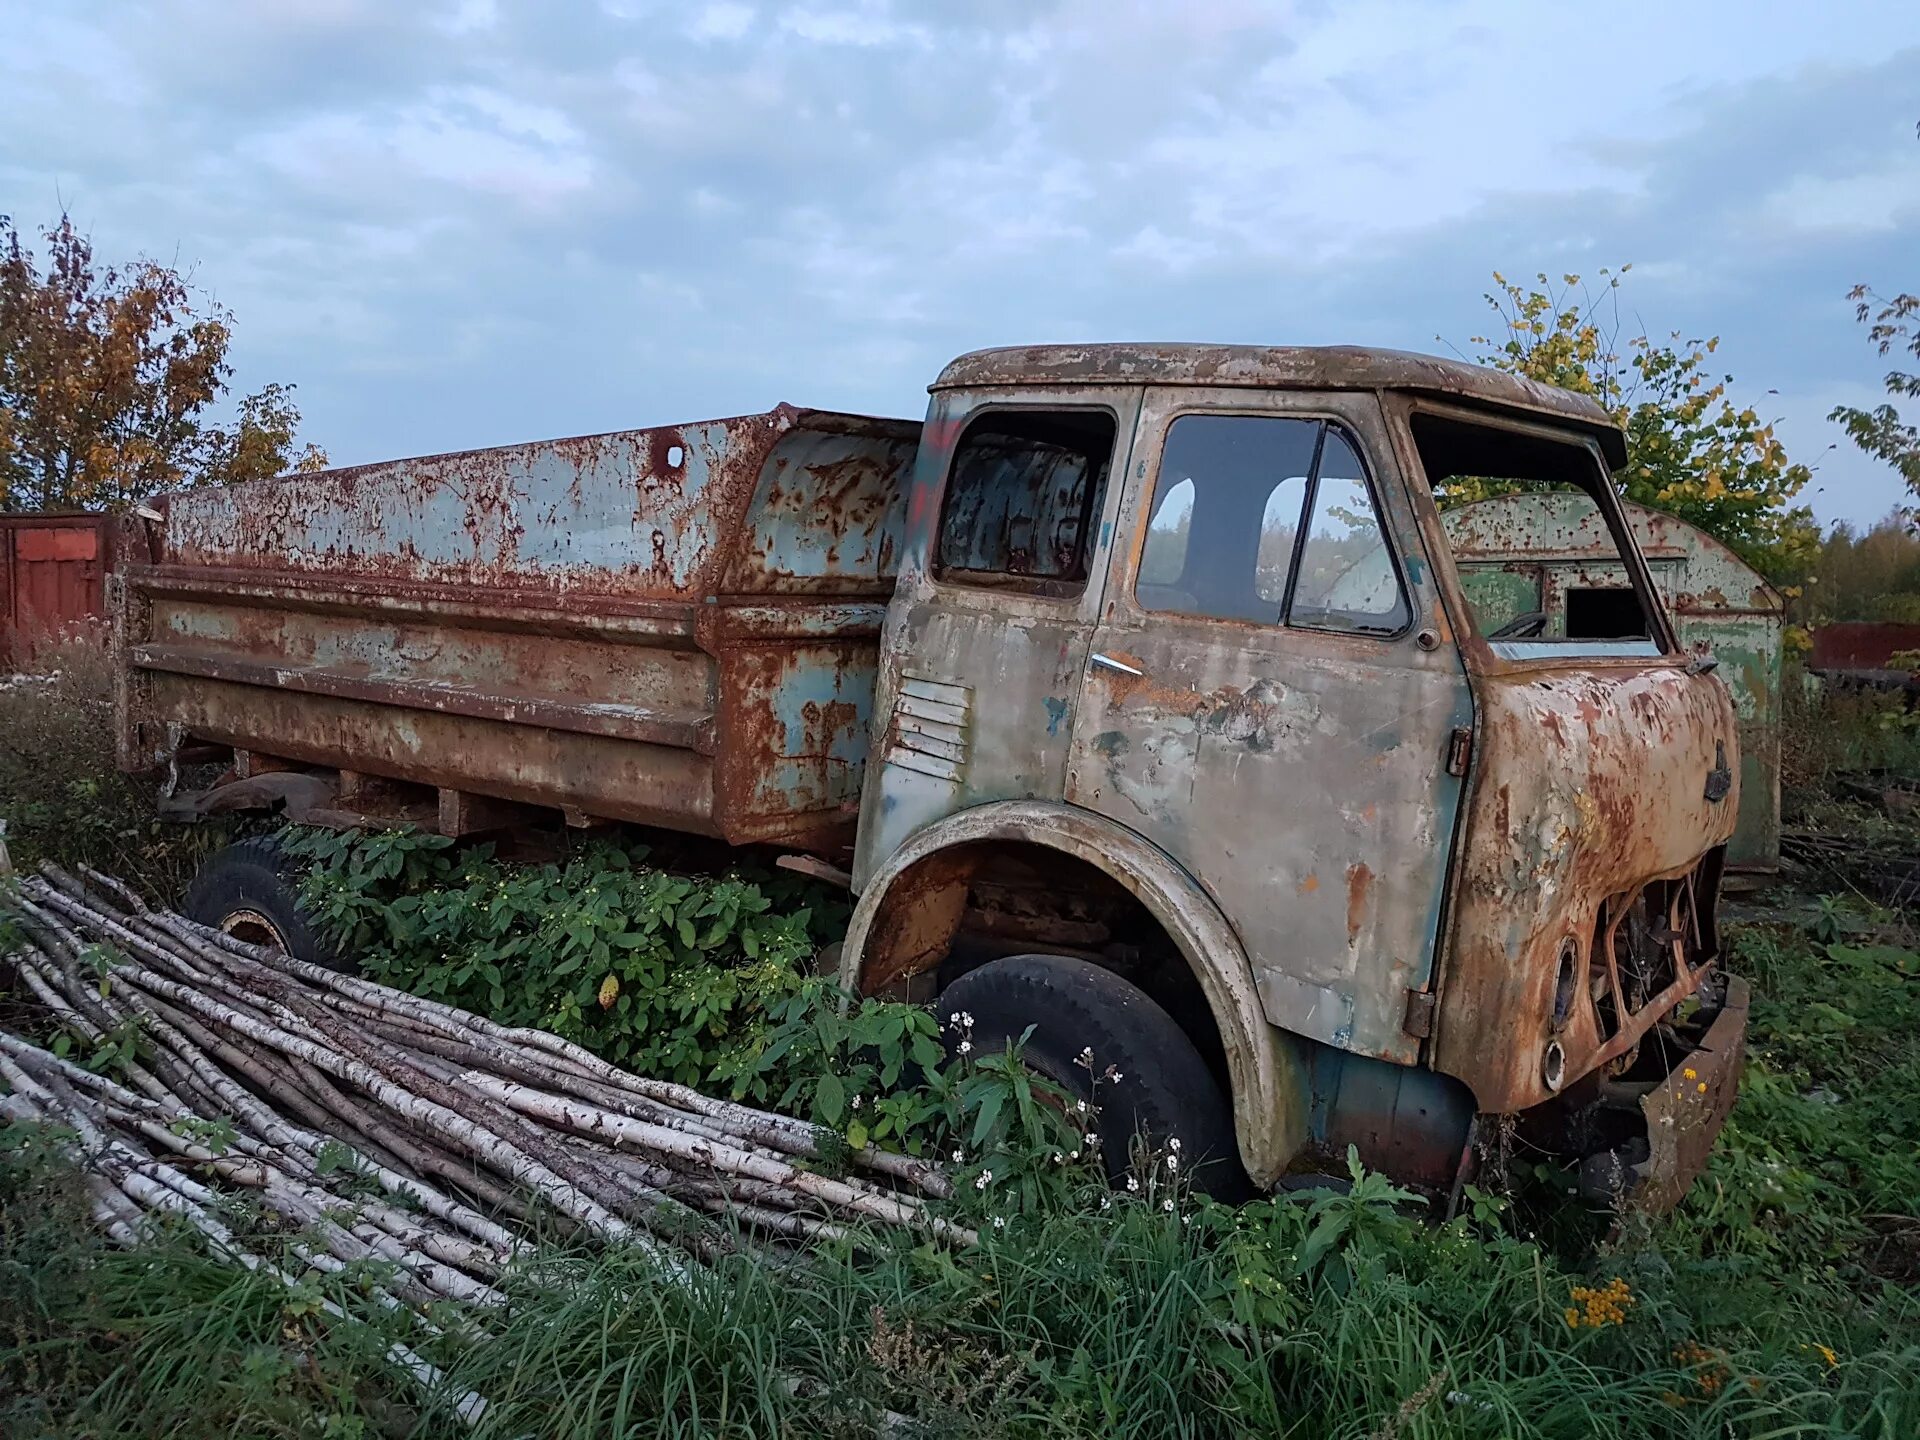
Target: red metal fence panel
{"x":1862,"y":645}
{"x":53,"y":571}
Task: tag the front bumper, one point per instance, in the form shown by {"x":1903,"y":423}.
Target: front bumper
{"x":1670,"y":1118}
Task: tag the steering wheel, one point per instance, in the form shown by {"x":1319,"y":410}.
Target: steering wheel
{"x":1521,"y":627}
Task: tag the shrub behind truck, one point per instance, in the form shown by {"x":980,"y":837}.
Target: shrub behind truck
{"x":1136,"y":689}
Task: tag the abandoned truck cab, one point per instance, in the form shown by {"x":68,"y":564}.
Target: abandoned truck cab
{"x":1189,"y":752}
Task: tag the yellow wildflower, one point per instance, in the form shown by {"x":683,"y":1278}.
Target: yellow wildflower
{"x":1593,"y":1308}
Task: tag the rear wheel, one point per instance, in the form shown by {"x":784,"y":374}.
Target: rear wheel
{"x":251,"y":891}
{"x":1164,"y":1091}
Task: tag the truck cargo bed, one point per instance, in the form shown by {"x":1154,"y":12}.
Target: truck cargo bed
{"x":675,"y":626}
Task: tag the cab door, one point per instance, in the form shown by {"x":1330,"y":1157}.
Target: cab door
{"x":1010,"y":521}
{"x":1271,"y":694}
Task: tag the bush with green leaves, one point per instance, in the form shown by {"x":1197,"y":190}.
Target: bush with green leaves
{"x":704,"y":981}
{"x":701,"y":981}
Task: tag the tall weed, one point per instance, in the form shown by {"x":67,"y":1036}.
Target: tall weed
{"x":61,"y":794}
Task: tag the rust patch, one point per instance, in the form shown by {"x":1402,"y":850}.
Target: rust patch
{"x":1359,"y":886}
{"x":665,"y":460}
{"x":1308,"y":884}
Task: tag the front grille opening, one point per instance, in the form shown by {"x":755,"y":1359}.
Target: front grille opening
{"x":1646,"y":942}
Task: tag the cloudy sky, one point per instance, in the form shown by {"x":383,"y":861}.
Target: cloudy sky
{"x":466,"y":222}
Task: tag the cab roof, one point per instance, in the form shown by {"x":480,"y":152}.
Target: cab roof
{"x":1281,"y":367}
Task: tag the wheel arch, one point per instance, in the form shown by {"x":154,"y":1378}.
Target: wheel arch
{"x":911,"y":907}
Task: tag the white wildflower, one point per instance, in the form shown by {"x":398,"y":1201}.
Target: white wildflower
{"x":958,"y":1156}
{"x":999,"y":1222}
{"x":966,"y":1047}
{"x":1174,"y":1143}
{"x":1133,"y":1183}
{"x":1173,"y":1162}
{"x":1081,"y":1106}
{"x":1167,"y":1205}
{"x":984,"y":1179}
{"x":954,"y":1018}
{"x":1091,"y":1139}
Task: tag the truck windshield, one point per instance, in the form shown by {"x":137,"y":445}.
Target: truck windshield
{"x":1543,"y":566}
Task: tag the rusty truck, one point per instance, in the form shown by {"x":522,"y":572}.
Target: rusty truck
{"x":1135,"y":693}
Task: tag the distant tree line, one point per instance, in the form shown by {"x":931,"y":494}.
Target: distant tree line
{"x":1871,"y":574}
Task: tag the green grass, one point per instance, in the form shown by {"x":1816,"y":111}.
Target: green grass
{"x":167,"y":1341}
{"x":1344,"y":1317}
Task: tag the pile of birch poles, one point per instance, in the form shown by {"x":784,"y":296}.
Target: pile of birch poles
{"x":257,"y":1073}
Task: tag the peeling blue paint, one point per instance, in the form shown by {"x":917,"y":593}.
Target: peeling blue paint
{"x":1056,"y":712}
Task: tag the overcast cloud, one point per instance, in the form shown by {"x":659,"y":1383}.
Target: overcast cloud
{"x":469,"y":222}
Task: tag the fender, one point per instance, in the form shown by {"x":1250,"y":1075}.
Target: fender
{"x":1269,"y":1082}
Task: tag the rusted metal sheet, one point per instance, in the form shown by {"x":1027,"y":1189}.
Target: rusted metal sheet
{"x":977,"y":683}
{"x":1298,"y":773}
{"x":675,"y":626}
{"x":1531,"y":552}
{"x":791,"y":501}
{"x":1685,"y":1109}
{"x":1587,"y":785}
{"x":1281,"y":367}
{"x":52,"y":574}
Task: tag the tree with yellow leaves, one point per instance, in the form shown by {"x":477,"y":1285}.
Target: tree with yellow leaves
{"x":106,"y":380}
{"x":1691,"y":450}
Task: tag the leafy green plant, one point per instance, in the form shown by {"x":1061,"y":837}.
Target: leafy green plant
{"x":1830,"y":921}
{"x":699,"y":980}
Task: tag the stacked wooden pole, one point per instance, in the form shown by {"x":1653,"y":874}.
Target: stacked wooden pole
{"x":390,"y":1127}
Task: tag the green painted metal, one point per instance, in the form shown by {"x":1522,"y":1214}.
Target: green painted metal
{"x":1500,"y":593}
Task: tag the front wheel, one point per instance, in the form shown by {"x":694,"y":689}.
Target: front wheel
{"x":1164,"y":1091}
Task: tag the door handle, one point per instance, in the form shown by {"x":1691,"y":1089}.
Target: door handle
{"x":1109,"y":663}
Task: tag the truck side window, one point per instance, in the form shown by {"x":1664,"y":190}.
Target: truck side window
{"x":1541,"y":560}
{"x":1347,"y":580}
{"x":1226,"y":521}
{"x":1225,"y":509}
{"x":1022,"y":495}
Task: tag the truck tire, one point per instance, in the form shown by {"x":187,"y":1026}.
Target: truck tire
{"x":1165,"y":1091}
{"x":251,"y":890}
